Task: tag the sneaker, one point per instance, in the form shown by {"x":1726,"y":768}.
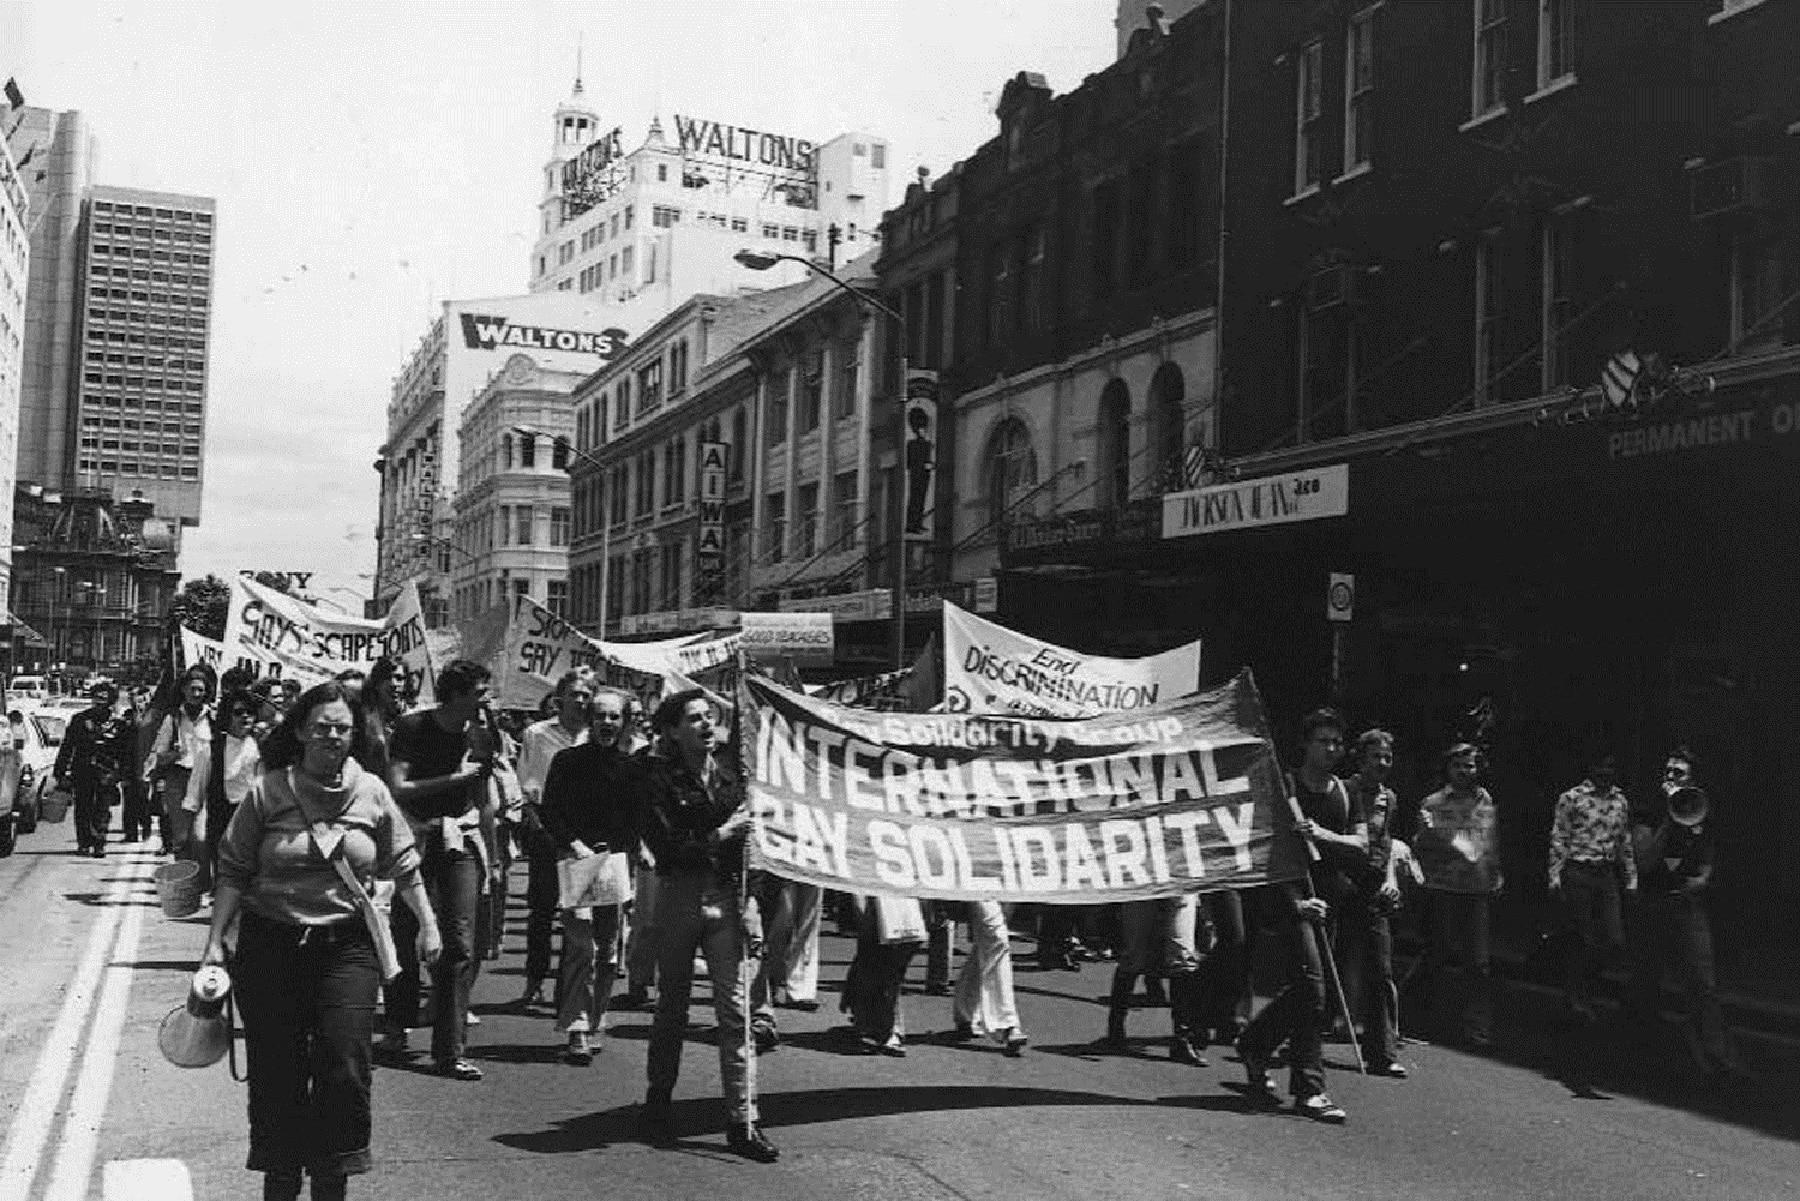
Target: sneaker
{"x":471,"y":1019}
{"x":1182,"y":1050}
{"x":459,"y":1069}
{"x":1321,"y":1108}
{"x":894,"y":1047}
{"x":533,"y":995}
{"x":1392,"y":1071}
{"x":579,"y":1053}
{"x":1015,"y":1044}
{"x":746,"y":1140}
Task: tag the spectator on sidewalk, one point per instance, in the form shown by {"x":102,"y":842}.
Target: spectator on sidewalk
{"x":304,"y":968}
{"x":440,"y":761}
{"x":1591,"y":863}
{"x":693,"y":819}
{"x":541,"y":742}
{"x":1458,"y":851}
{"x":1365,"y":948}
{"x":589,"y":808}
{"x":1675,"y":851}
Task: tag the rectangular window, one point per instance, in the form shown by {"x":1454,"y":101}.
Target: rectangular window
{"x":775,"y":525}
{"x":843,"y":511}
{"x":1556,"y":41}
{"x":525,"y":516}
{"x":649,"y":379}
{"x":1756,"y":284}
{"x":675,"y":472}
{"x":807,"y":518}
{"x":1487,"y":314}
{"x":1031,"y":279}
{"x":1000,"y":294}
{"x":559,"y":527}
{"x":506,"y":526}
{"x":1489,"y":76}
{"x":848,"y":372}
{"x":621,"y":491}
{"x":776,"y":410}
{"x":1359,"y":91}
{"x":527,"y":451}
{"x":1309,"y":94}
{"x":662,"y":216}
{"x":1107,"y":214}
{"x":671,"y":576}
{"x":1557,"y":305}
{"x":646,"y":483}
{"x":812,"y":388}
{"x":556,"y":597}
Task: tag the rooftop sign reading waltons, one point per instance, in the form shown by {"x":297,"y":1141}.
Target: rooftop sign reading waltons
{"x":494,"y":333}
{"x":771,"y":151}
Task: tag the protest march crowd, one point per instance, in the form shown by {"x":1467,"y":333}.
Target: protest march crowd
{"x":357,"y":824}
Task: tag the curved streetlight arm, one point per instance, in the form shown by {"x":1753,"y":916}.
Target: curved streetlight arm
{"x":760,"y":261}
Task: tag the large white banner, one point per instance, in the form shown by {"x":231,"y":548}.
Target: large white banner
{"x":539,"y":647}
{"x":991,"y":669}
{"x":274,"y":634}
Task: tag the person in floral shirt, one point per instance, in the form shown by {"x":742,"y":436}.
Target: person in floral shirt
{"x":1460,"y":856}
{"x":1590,"y":860}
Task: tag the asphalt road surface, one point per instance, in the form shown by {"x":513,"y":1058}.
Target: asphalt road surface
{"x":92,"y":1110}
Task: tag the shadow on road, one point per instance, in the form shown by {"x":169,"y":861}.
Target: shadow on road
{"x":596,"y":1131}
{"x":101,"y":900}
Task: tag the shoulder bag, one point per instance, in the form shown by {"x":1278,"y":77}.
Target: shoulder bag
{"x":330,"y":845}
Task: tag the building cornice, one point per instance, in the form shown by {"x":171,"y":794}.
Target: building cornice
{"x":1106,"y":350}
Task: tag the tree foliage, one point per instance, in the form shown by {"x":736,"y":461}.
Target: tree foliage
{"x":201,"y":606}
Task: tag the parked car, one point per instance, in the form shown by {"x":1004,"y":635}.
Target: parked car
{"x":27,"y":760}
{"x":31,"y":688}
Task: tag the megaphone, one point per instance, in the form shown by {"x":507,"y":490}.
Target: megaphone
{"x":197,"y":1034}
{"x":1688,"y":806}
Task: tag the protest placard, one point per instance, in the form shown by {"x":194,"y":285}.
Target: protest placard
{"x":991,"y":669}
{"x":1185,"y":797}
{"x":274,"y":634}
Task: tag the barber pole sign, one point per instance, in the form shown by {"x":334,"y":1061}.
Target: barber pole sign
{"x":711,"y":548}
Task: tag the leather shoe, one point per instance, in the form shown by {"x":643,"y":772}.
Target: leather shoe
{"x":1182,"y":1050}
{"x":746,"y":1140}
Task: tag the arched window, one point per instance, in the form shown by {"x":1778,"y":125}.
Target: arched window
{"x":1115,"y":445}
{"x":1168,"y":428}
{"x":1012,"y":473}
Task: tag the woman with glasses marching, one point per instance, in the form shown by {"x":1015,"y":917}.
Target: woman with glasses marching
{"x":295,"y":867}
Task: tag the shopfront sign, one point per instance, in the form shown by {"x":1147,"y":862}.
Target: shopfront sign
{"x":871,"y":604}
{"x":740,"y":144}
{"x":711,"y":545}
{"x":809,"y":639}
{"x":672,"y":621}
{"x":1064,"y":535}
{"x":1744,"y":426}
{"x":1275,"y":500}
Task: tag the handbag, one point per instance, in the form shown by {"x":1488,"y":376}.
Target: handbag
{"x":601,"y":879}
{"x":899,"y":919}
{"x":386,"y":955}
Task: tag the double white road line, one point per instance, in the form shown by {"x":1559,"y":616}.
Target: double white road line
{"x":100,"y":990}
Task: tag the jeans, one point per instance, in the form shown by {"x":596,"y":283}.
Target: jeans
{"x":1295,"y":1014}
{"x":1157,"y":938}
{"x":1675,"y":933}
{"x":1591,"y":892}
{"x":640,"y":944}
{"x":694,"y":913}
{"x":1365,"y":959}
{"x":790,"y":961}
{"x":308,"y":1001}
{"x":984,"y":990}
{"x":873,"y":984}
{"x":138,"y":813}
{"x":1459,"y":954}
{"x":542,"y":890}
{"x":590,"y":962}
{"x":1224,"y":975}
{"x":453,"y":882}
{"x":93,"y":810}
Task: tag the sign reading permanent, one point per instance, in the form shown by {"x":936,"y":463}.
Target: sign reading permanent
{"x":492,"y":333}
{"x":1185,"y":798}
{"x":1276,"y":500}
{"x":991,"y":669}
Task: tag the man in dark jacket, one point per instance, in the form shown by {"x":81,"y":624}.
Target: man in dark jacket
{"x":91,"y":763}
{"x":589,"y":810}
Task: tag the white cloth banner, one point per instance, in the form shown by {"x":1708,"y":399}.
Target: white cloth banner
{"x":540,"y":646}
{"x":274,"y":634}
{"x":991,"y":669}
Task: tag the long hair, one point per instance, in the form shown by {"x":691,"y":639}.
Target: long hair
{"x":282,"y":749}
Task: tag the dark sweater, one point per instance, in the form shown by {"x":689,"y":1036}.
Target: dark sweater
{"x":590,"y":797}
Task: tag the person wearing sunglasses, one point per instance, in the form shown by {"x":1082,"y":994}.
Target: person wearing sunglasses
{"x":236,"y":763}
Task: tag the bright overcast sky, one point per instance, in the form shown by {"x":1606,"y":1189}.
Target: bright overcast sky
{"x":370,"y":159}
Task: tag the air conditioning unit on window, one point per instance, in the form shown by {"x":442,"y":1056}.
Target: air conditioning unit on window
{"x":1741,"y":184}
{"x":1332,"y":287}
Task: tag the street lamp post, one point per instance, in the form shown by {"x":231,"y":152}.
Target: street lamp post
{"x":758,"y":260}
{"x":605,"y":503}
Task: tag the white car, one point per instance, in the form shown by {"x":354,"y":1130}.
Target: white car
{"x":36,"y":737}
